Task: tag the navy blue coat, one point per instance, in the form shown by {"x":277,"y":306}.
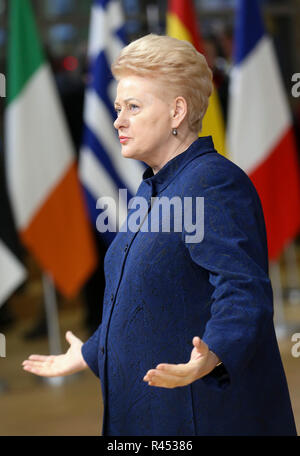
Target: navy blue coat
{"x":162,"y":291}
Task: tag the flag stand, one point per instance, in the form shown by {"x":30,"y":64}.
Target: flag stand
{"x":3,"y":387}
{"x":283,"y":328}
{"x":52,"y":324}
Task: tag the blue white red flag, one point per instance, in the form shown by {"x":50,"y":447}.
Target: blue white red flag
{"x":260,"y":133}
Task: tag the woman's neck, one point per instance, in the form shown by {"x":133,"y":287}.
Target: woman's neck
{"x":179,"y":146}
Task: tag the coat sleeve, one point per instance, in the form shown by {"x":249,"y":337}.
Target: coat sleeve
{"x":90,"y":349}
{"x":234,"y":252}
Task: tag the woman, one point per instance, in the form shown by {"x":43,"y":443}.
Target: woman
{"x":187,"y":344}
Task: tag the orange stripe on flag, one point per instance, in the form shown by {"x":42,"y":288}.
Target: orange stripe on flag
{"x":277,"y":183}
{"x":59,"y":236}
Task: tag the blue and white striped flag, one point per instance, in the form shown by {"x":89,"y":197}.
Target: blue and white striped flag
{"x":103,"y":170}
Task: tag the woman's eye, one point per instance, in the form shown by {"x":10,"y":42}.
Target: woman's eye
{"x":133,"y":107}
{"x":117,"y":111}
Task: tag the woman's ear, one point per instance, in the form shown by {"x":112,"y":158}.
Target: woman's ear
{"x":179,"y":111}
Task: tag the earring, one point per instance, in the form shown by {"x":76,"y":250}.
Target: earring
{"x":174,"y":131}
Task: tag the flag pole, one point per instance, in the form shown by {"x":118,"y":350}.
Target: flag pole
{"x":281,"y":328}
{"x":52,"y":323}
{"x":292,"y":274}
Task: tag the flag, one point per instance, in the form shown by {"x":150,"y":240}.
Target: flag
{"x":260,"y":134}
{"x":103,"y":170}
{"x":12,"y":270}
{"x":43,"y":185}
{"x":182,"y":24}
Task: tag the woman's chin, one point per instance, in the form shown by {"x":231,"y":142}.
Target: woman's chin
{"x":127,"y":153}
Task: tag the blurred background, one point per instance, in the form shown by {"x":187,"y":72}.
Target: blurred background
{"x":62,"y":154}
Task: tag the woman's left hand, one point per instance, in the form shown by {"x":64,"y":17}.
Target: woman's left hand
{"x":202,"y":362}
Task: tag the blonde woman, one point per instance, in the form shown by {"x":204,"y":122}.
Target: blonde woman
{"x":187,"y":344}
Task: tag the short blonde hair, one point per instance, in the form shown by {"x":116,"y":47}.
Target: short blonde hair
{"x":173,"y":62}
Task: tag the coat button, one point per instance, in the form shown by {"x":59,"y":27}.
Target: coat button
{"x":102,"y":350}
{"x":112,"y":297}
{"x":126,"y":248}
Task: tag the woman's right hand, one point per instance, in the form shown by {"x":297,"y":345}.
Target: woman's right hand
{"x":54,"y":366}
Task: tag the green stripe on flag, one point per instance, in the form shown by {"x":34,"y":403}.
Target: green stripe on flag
{"x":25,"y":54}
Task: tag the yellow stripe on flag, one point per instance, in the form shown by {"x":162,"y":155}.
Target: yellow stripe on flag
{"x":213,"y":122}
{"x":176,"y":29}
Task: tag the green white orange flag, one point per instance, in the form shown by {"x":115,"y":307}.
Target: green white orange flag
{"x":42,"y":180}
{"x":181,"y":24}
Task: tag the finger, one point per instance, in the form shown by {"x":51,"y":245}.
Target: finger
{"x":180,"y":370}
{"x":35,"y":364}
{"x":161,"y":379}
{"x":38,"y":371}
{"x":38,"y":357}
{"x":186,"y":372}
{"x":71,"y":338}
{"x":40,"y":368}
{"x":174,"y":369}
{"x":200,"y":345}
{"x":159,"y":374}
{"x":48,"y":361}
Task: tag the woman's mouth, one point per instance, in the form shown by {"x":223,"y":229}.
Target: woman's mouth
{"x":123,"y":139}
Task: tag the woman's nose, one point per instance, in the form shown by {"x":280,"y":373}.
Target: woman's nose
{"x":121,"y":121}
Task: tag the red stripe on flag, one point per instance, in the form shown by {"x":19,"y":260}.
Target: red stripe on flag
{"x":186,"y":13}
{"x":277,"y":181}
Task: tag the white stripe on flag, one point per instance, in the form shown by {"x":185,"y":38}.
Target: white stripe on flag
{"x":258,"y":111}
{"x":12,"y":273}
{"x":97,"y":181}
{"x":112,"y":90}
{"x":116,"y":20}
{"x":36,"y":137}
{"x":98,"y":119}
{"x":102,"y":28}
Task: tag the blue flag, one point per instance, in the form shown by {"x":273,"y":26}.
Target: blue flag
{"x":103,"y":170}
{"x":249,"y":28}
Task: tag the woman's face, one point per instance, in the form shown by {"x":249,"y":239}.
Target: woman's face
{"x":144,"y":119}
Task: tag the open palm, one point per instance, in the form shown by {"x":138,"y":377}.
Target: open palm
{"x":58,"y":365}
{"x":201,"y":362}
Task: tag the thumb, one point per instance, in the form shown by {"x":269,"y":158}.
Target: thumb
{"x":200,"y":345}
{"x":70,"y":337}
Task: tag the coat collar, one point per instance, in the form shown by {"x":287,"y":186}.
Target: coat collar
{"x":169,"y":171}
